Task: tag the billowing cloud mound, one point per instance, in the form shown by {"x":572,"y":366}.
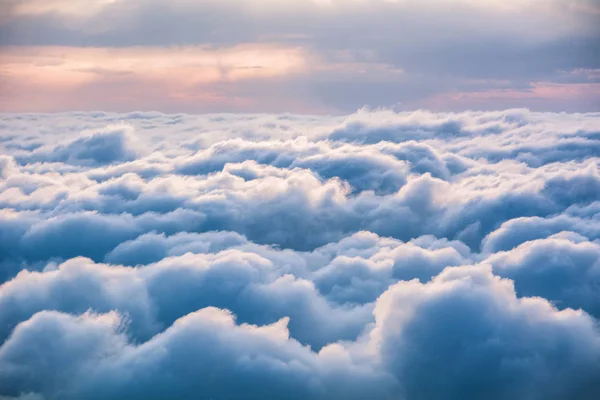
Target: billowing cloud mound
{"x":376,"y":256}
{"x":111,"y":145}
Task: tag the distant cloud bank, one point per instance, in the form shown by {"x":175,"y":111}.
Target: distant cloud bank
{"x":379,"y":255}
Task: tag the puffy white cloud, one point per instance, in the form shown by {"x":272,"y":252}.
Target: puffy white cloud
{"x":519,"y":230}
{"x":254,"y":287}
{"x":364,"y":168}
{"x":377,"y":255}
{"x":466,"y":335}
{"x":7,"y":167}
{"x":564,"y":268}
{"x":203,"y":352}
{"x":110,"y":145}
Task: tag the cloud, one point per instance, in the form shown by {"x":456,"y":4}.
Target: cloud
{"x":498,"y":350}
{"x":363,"y":169}
{"x":152,"y":247}
{"x":520,"y":230}
{"x":563,"y":268}
{"x":262,"y":360}
{"x":382,"y":255}
{"x":7,"y":167}
{"x":113,"y":144}
{"x":154,"y":297}
{"x":467,"y":329}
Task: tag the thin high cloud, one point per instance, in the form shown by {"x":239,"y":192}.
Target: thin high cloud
{"x":306,"y":56}
{"x":356,"y":257}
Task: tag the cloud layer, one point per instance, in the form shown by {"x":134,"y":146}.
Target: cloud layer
{"x":378,"y":255}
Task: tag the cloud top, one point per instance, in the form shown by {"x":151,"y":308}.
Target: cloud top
{"x":379,"y":255}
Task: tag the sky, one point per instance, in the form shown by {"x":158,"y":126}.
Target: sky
{"x":299,"y":56}
{"x":299,"y":199}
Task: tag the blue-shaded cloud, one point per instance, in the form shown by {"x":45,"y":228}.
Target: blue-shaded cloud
{"x":112,"y":145}
{"x":378,"y":255}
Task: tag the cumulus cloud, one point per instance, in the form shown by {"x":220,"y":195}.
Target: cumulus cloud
{"x":467,"y":327}
{"x":201,"y":353}
{"x":563,"y":268}
{"x":376,"y":255}
{"x":466,"y":335}
{"x":111,"y":145}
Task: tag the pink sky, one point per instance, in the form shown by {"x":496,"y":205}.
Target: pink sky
{"x":304,"y":56}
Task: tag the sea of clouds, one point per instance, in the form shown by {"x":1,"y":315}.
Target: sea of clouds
{"x":379,"y":255}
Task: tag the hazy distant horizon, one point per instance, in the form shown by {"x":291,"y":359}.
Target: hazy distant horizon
{"x":299,"y":56}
